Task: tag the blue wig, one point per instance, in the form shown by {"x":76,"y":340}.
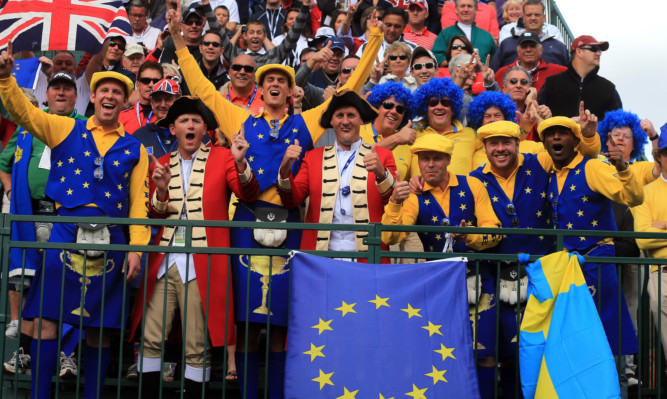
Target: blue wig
{"x":401,"y":93}
{"x":488,"y":99}
{"x":620,"y":118}
{"x":438,"y":88}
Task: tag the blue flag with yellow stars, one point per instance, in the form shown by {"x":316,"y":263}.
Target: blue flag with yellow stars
{"x":564,"y":352}
{"x":25,"y":72}
{"x":379,"y":331}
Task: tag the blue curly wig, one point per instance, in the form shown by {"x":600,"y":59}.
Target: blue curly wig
{"x":488,"y":99}
{"x":620,"y":118}
{"x":401,"y":93}
{"x":438,"y":87}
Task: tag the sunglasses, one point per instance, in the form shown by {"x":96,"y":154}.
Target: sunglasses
{"x":524,"y":82}
{"x":206,"y":43}
{"x":593,"y":48}
{"x":394,"y":57}
{"x":120,"y":46}
{"x":191,"y":22}
{"x":98,"y":173}
{"x":175,"y":78}
{"x":459,"y":47}
{"x":388,"y":105}
{"x":511,"y":210}
{"x":275,"y":125}
{"x":246,"y":68}
{"x":347,"y":70}
{"x":427,"y":65}
{"x":433,"y":102}
{"x":148,"y":81}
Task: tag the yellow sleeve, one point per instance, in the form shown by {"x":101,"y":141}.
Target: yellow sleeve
{"x":354,"y":83}
{"x":403,"y":158}
{"x":50,"y":129}
{"x":479,"y":158}
{"x":644,"y":171}
{"x":643,"y":219}
{"x":622,"y":187}
{"x":397,"y":215}
{"x":589,"y":147}
{"x":139,"y":234}
{"x":485,"y":215}
{"x":531,"y":147}
{"x":230,"y":117}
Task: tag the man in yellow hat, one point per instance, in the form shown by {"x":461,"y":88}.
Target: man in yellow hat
{"x":96,"y":170}
{"x":580,"y":191}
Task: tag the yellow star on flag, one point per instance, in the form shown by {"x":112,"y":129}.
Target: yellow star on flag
{"x":573,"y":187}
{"x":260,"y":171}
{"x":314,"y":352}
{"x":323,"y":379}
{"x":463,"y":207}
{"x":445,"y":352}
{"x":77,"y":171}
{"x":379,"y":301}
{"x":437,"y":375}
{"x":347,"y":394}
{"x":347,"y":308}
{"x":432,"y":328}
{"x":569,"y":225}
{"x":323,"y":326}
{"x":411,"y":311}
{"x":382,"y":397}
{"x":543,"y":194}
{"x":70,"y":160}
{"x":462,"y":194}
{"x":69,"y":192}
{"x":594,"y":223}
{"x":85,"y":184}
{"x":107,"y":194}
{"x":434,"y":218}
{"x":528,"y":190}
{"x":494,"y":198}
{"x":86,"y":153}
{"x":580,"y":213}
{"x":539,"y":213}
{"x":116,"y":163}
{"x":427,"y":202}
{"x":417,"y":393}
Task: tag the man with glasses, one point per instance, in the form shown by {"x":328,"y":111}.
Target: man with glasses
{"x":192,"y":26}
{"x":423,"y":65}
{"x":141,"y":113}
{"x":133,"y":58}
{"x":517,"y":84}
{"x":211,"y":61}
{"x":242,"y":88}
{"x":142,"y":33}
{"x":581,"y":82}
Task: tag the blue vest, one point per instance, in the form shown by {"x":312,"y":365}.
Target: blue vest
{"x":72,"y":182}
{"x":265,"y":153}
{"x":531,"y":207}
{"x":461,"y":207}
{"x":580,"y":208}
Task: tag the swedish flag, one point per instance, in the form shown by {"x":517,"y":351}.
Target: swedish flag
{"x":379,"y":331}
{"x":564,"y":352}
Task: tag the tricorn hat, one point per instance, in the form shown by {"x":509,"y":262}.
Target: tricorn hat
{"x":348,"y":98}
{"x":189,"y":105}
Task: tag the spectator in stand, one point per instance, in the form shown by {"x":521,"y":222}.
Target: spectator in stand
{"x":581,"y":82}
{"x":484,"y":18}
{"x":473,"y":77}
{"x":63,"y":61}
{"x":232,"y":9}
{"x":271,"y":16}
{"x":517,"y":84}
{"x":293,"y":57}
{"x":322,"y":34}
{"x":133,"y":58}
{"x":416,"y":30}
{"x":170,"y":71}
{"x":423,"y":65}
{"x":512,"y":11}
{"x":211,"y":59}
{"x":192,"y":26}
{"x":457,"y":45}
{"x":345,"y":31}
{"x":529,"y":18}
{"x":529,"y":49}
{"x":553,"y":49}
{"x":242,"y":89}
{"x":222,"y":14}
{"x":141,"y":112}
{"x":398,"y":61}
{"x":337,"y":19}
{"x":327,"y":75}
{"x":481,"y":40}
{"x":432,"y":21}
{"x":142,"y":33}
{"x":394,"y":21}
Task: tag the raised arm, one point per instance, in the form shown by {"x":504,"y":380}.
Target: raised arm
{"x":283,"y":50}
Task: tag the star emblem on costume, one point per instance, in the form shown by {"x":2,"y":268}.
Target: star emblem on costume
{"x":107,"y":194}
{"x":437,"y":375}
{"x":539,"y":213}
{"x":84,"y":135}
{"x":127,"y":152}
{"x":69,"y":192}
{"x":573,"y":187}
{"x":582,"y":238}
{"x":323,"y":326}
{"x":60,"y":163}
{"x":120,"y":206}
{"x":594,"y":223}
{"x":462,"y":194}
{"x":382,"y":397}
{"x":445,"y":352}
{"x":62,"y":179}
{"x":543,"y":194}
{"x":126,"y":175}
{"x":295,"y":130}
{"x":417,"y":393}
{"x":541,"y":238}
{"x":434,"y":219}
{"x":251,"y":159}
{"x":347,"y":394}
{"x":463,"y":207}
{"x":438,"y":237}
{"x":580,"y":213}
{"x":485,"y":183}
{"x":346,"y":308}
{"x":569,"y":225}
{"x":86,"y":153}
{"x":77,"y":171}
{"x":584,"y":198}
{"x":70,"y":160}
{"x":551,"y":195}
{"x":494,"y":198}
{"x":260,"y":171}
{"x":120,"y":186}
{"x":260,"y":136}
{"x":323,"y":379}
{"x":528,"y":190}
{"x":85,"y":184}
{"x":576,"y":172}
{"x":315,"y":351}
{"x":432,"y":328}
{"x":469,"y":223}
{"x":427,"y":202}
{"x":286,"y":141}
{"x":379,"y":301}
{"x":528,"y":172}
{"x":116,"y":163}
{"x":411,"y":311}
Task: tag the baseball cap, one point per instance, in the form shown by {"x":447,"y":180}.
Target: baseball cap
{"x":662,"y":141}
{"x":528,"y":37}
{"x":588,"y":41}
{"x":64,"y":77}
{"x":322,"y":33}
{"x":420,"y":51}
{"x":168,"y":86}
{"x":132,"y":49}
{"x":192,"y":9}
{"x":419,"y":3}
{"x":336,"y":43}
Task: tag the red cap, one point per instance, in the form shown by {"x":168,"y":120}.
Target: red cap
{"x":405,"y":4}
{"x":588,"y":41}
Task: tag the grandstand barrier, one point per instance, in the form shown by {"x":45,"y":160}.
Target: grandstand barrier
{"x":555,"y":17}
{"x":650,"y":358}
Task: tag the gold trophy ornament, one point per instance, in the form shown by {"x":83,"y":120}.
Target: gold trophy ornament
{"x":267,"y":266}
{"x":86,"y":268}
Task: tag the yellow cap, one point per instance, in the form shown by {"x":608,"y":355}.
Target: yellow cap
{"x":559,"y":121}
{"x":124,"y":80}
{"x":499,"y":129}
{"x":433,"y":142}
{"x":261,"y":71}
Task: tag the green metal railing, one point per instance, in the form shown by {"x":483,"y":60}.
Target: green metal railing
{"x":650,"y":356}
{"x":555,"y":17}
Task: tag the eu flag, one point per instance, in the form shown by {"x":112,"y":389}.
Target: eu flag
{"x":564,"y":352}
{"x":25,"y":72}
{"x":379,"y":331}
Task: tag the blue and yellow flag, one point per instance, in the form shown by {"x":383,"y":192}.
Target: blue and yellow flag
{"x":25,"y":72}
{"x":564,"y":352}
{"x":379,"y":331}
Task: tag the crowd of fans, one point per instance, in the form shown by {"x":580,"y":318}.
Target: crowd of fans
{"x":450,"y":97}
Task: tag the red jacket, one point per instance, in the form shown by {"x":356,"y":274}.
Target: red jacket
{"x":543,"y":71}
{"x":131,"y":124}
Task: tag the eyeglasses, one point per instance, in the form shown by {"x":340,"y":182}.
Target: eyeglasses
{"x":394,"y":57}
{"x":446,"y":102}
{"x":120,"y":46}
{"x":619,"y":135}
{"x":148,"y":81}
{"x":275,"y":123}
{"x":427,"y":65}
{"x":524,"y":82}
{"x":347,"y":70}
{"x":593,"y":48}
{"x":388,"y":105}
{"x":98,"y":173}
{"x":206,"y":43}
{"x":246,"y":68}
{"x":459,"y":47}
{"x":175,"y":78}
{"x":511,"y":210}
{"x":191,"y":22}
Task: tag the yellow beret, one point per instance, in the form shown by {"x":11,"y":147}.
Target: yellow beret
{"x":499,"y":129}
{"x":432,"y":142}
{"x":124,"y":80}
{"x":264,"y":69}
{"x":559,"y":121}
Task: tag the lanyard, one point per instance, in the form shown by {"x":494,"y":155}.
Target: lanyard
{"x":375,"y":133}
{"x":348,"y":162}
{"x":150,"y":114}
{"x":159,"y":140}
{"x":252,"y":98}
{"x":274,"y":22}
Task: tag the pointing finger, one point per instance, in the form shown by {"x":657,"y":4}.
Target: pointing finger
{"x":153,"y":159}
{"x":488,"y":60}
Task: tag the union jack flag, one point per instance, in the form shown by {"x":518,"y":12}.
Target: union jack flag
{"x":35,"y":25}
